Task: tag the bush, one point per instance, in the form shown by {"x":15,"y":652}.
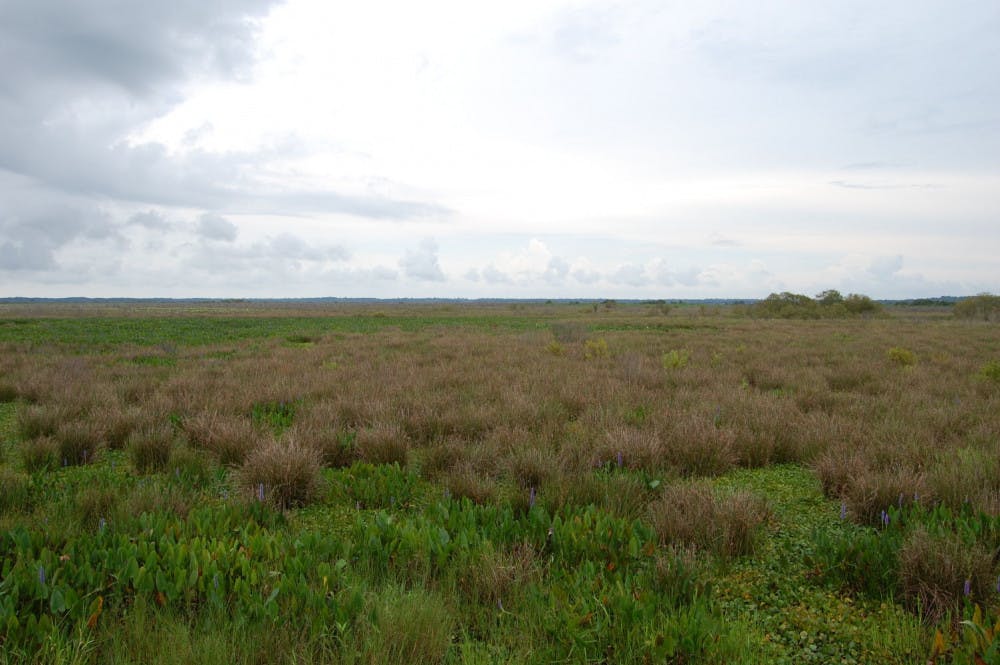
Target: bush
{"x":283,"y":473}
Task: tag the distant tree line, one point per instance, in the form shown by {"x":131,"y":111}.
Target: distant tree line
{"x":984,"y":307}
{"x":829,"y":304}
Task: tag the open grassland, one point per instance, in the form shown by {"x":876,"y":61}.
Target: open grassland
{"x":495,"y":484}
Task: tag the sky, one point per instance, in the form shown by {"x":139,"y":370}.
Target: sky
{"x":523,"y":149}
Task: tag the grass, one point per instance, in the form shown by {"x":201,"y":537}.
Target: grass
{"x":440,"y":485}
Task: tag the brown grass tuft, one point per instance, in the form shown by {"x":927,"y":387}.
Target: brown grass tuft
{"x":693,"y":514}
{"x":285,"y":473}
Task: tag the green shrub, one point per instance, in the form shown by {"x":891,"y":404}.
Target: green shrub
{"x":555,"y":348}
{"x":990,"y":372}
{"x":903,"y":357}
{"x":596,"y":348}
{"x":675,"y":359}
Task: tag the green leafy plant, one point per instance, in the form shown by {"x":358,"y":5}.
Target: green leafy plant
{"x":901,"y":356}
{"x":596,"y":348}
{"x":675,"y":359}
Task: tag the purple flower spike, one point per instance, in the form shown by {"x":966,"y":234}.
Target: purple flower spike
{"x":531,"y":498}
{"x":619,"y":459}
{"x":41,"y":575}
{"x":998,"y":585}
{"x":101,"y":524}
{"x":260,"y":491}
{"x":843,"y":511}
{"x":885,"y":519}
{"x":967,"y":590}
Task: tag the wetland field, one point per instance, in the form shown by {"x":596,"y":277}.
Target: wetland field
{"x":231,"y":482}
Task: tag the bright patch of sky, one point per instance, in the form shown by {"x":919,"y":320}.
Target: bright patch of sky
{"x":640,"y":149}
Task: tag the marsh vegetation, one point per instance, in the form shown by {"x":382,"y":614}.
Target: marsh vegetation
{"x":446,"y":483}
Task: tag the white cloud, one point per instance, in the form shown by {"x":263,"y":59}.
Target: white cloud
{"x":422,"y":263}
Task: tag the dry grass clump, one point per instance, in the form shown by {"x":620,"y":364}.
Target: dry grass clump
{"x":336,"y":447}
{"x":230,"y":438}
{"x":79,"y":441}
{"x":150,"y":448}
{"x":15,"y":491}
{"x":935,"y":571}
{"x":494,"y":574}
{"x":383,"y":443}
{"x":40,"y":454}
{"x":697,"y":447}
{"x":530,"y":466}
{"x":34,"y":420}
{"x":464,"y":481}
{"x":693,"y":514}
{"x":96,"y":503}
{"x":120,"y":422}
{"x":285,"y":473}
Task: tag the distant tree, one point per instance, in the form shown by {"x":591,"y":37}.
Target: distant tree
{"x":857,"y":303}
{"x":984,"y":306}
{"x":829,"y":297}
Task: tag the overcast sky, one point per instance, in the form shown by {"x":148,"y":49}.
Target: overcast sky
{"x":646,"y":149}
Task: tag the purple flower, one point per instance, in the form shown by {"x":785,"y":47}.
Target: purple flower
{"x":260,"y":491}
{"x":215,"y":580}
{"x":41,"y":575}
{"x":101,"y":524}
{"x":84,"y":456}
{"x":531,"y":498}
{"x":885,"y":519}
{"x":967,"y":590}
{"x":843,"y":511}
{"x":619,"y":459}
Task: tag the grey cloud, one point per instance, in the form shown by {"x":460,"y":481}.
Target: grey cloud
{"x":630,"y":274}
{"x":472,"y":275}
{"x":137,"y":47}
{"x":293,"y":247}
{"x":585,"y":276}
{"x":216,"y":227}
{"x":422,"y":263}
{"x":556,"y":271}
{"x":885,"y":267}
{"x":495,"y":276}
{"x":150,"y":219}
